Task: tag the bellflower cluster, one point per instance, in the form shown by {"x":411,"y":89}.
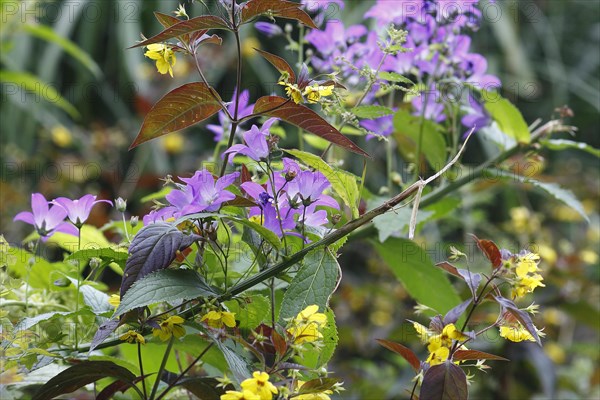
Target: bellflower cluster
{"x":200,"y":193}
{"x":224,"y":126}
{"x":257,"y":146}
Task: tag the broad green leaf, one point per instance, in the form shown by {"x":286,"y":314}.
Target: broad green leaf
{"x":564,"y":144}
{"x":91,"y":238}
{"x":202,"y":22}
{"x":250,"y":310}
{"x":396,"y":222}
{"x":553,"y":189}
{"x":445,"y":381}
{"x":507,"y":116}
{"x":41,"y":89}
{"x":279,"y":63}
{"x":234,"y":354}
{"x":276,"y":8}
{"x":315,"y":358}
{"x":342,"y":182}
{"x":305,"y":118}
{"x":28,"y":322}
{"x":95,"y":299}
{"x":81,"y":374}
{"x":371,"y":111}
{"x":433,"y":144}
{"x":178,"y":109}
{"x":394,"y":77}
{"x":313,"y":284}
{"x":412,"y":266}
{"x":164,"y":286}
{"x":48,"y":34}
{"x":161,"y":194}
{"x":113,"y":253}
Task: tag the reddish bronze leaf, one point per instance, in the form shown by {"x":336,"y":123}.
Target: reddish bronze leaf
{"x":203,"y":22}
{"x":279,"y":343}
{"x":444,"y":382}
{"x":403,"y":351}
{"x":166,"y":20}
{"x":178,"y":109}
{"x":305,"y":118}
{"x":277,"y":8}
{"x":463,"y":355}
{"x":282,"y":66}
{"x":446,"y":266}
{"x":490,"y":250}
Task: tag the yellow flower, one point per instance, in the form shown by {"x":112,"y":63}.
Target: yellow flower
{"x":260,"y":385}
{"x":243,"y":395}
{"x":114,"y":300}
{"x":132,"y":336}
{"x":314,"y":93}
{"x":307,"y":325}
{"x":293,"y":91}
{"x":527,"y":284}
{"x":438,"y":356}
{"x":526,"y":277}
{"x":516,"y":333}
{"x":217,"y":319}
{"x":312,"y":396}
{"x":449,"y":333}
{"x":164,"y":57}
{"x":422,"y":331}
{"x":61,"y":136}
{"x":173,"y":143}
{"x":527,"y":263}
{"x":170,"y":327}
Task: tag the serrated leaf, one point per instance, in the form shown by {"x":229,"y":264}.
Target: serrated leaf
{"x":464,"y":355}
{"x":164,"y":286}
{"x":152,"y":249}
{"x":520,"y":315}
{"x":95,"y":299}
{"x":203,"y":22}
{"x":371,"y":111}
{"x":279,"y":63}
{"x":82,"y":374}
{"x":445,"y":381}
{"x":103,"y":332}
{"x":250,"y":311}
{"x":394,"y":77}
{"x":414,"y":269}
{"x":29,"y":322}
{"x":115,"y":254}
{"x":239,"y":366}
{"x":276,"y":8}
{"x":403,"y":351}
{"x":564,"y":144}
{"x":305,"y":118}
{"x":178,"y":109}
{"x":342,"y":182}
{"x":433,"y":143}
{"x":507,"y":116}
{"x":313,"y":284}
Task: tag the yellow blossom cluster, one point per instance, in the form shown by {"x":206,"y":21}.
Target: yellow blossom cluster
{"x":516,"y":333}
{"x":132,"y":336}
{"x":164,"y":57}
{"x":172,"y":326}
{"x":312,"y":396}
{"x":527,"y":277}
{"x":307,"y":325}
{"x":218,"y":319}
{"x":311,"y":93}
{"x":439,"y":345}
{"x":256,"y":388}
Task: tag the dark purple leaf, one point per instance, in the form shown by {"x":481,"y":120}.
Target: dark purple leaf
{"x":279,"y":63}
{"x":104,"y":331}
{"x":445,"y":381}
{"x":520,"y":315}
{"x":464,"y":355}
{"x":453,"y":315}
{"x":117,"y":386}
{"x":203,"y":22}
{"x":178,"y":109}
{"x":202,"y":387}
{"x":491,"y":251}
{"x":304,"y":118}
{"x":403,"y":351}
{"x":277,"y":8}
{"x":153,"y":248}
{"x":82,"y":374}
{"x":473,"y":280}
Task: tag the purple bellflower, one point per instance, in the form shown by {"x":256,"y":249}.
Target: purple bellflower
{"x":244,"y":109}
{"x":268,"y":29}
{"x":78,"y":210}
{"x":47,"y":218}
{"x":257,"y":146}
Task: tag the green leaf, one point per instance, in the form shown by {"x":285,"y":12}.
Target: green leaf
{"x":48,"y":34}
{"x":91,"y":238}
{"x":178,"y":109}
{"x":433,"y":143}
{"x":553,"y":189}
{"x":164,"y":286}
{"x":305,"y":118}
{"x":317,"y":357}
{"x":202,"y":22}
{"x":371,"y":112}
{"x":250,"y":310}
{"x":161,"y":194}
{"x":96,"y":299}
{"x":116,"y":254}
{"x":239,"y":366}
{"x":82,"y":374}
{"x":342,"y":182}
{"x":394,"y":77}
{"x":394,"y":223}
{"x":28,"y":322}
{"x":40,"y":88}
{"x":276,"y":8}
{"x":445,"y":381}
{"x":507,"y":116}
{"x":564,"y":144}
{"x":412,"y":266}
{"x":313,"y":284}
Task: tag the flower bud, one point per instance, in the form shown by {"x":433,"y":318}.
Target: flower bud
{"x":335,"y":218}
{"x":121,"y":204}
{"x":290,"y":175}
{"x":95,"y":262}
{"x":288,"y":28}
{"x":134,"y":221}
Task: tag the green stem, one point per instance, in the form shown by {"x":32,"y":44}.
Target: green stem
{"x":139,"y":350}
{"x":163,"y":363}
{"x":300,"y":62}
{"x":78,"y":289}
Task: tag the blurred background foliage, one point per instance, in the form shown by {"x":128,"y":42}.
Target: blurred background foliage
{"x":73,"y":98}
